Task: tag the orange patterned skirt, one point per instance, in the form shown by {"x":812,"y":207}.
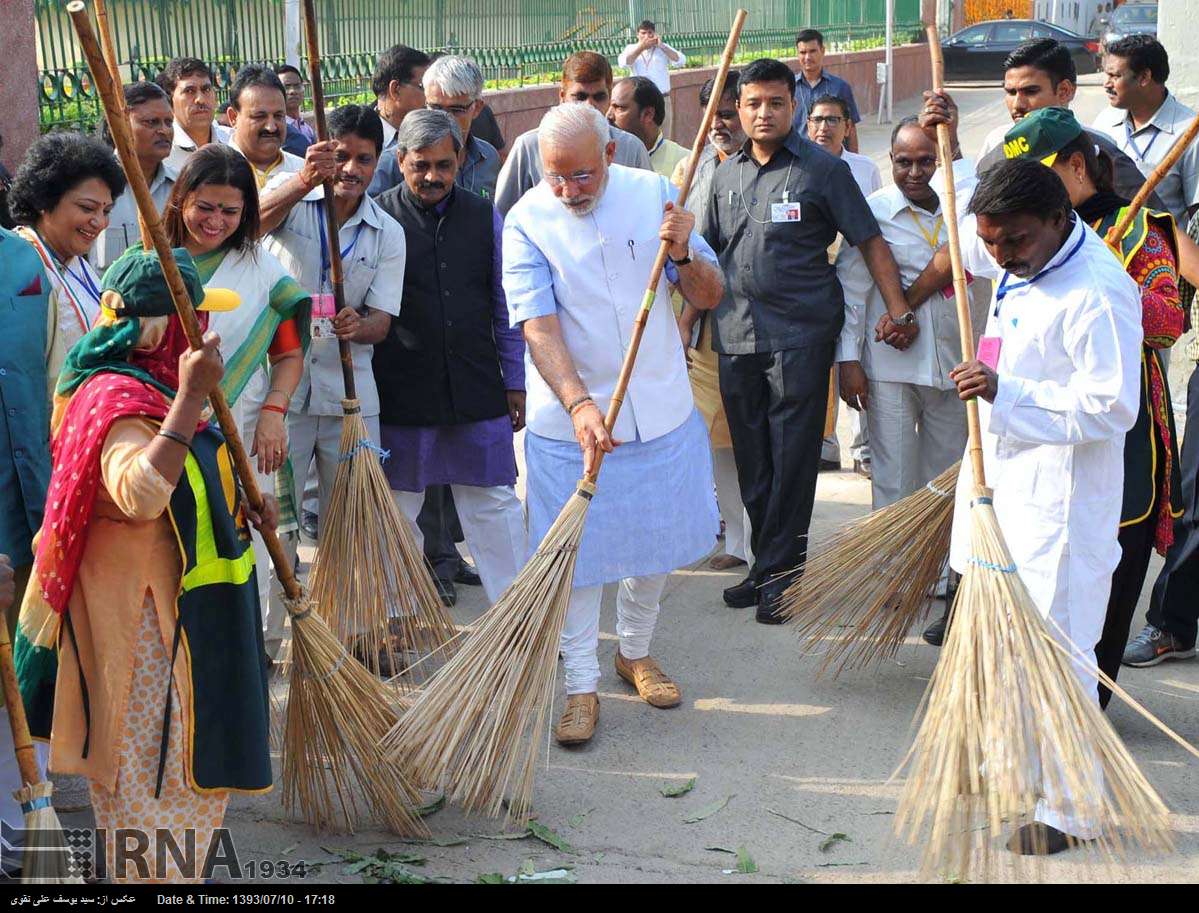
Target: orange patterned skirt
{"x":133,"y":805}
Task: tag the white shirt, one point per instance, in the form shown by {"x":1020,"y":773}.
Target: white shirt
{"x":373,"y":258}
{"x":1179,"y":189}
{"x":285,"y":164}
{"x":182,"y":146}
{"x":864,"y":171}
{"x":913,"y":234}
{"x":123,"y":232}
{"x":1053,"y":441}
{"x":591,"y":271}
{"x":652,"y":63}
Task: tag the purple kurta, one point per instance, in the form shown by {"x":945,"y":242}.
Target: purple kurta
{"x":475,"y":453}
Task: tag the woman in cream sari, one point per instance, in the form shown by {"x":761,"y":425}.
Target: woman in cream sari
{"x":213,"y":213}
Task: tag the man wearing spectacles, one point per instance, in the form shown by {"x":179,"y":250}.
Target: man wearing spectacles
{"x":828,"y":125}
{"x":578,"y":250}
{"x":586,"y":77}
{"x":398,"y":90}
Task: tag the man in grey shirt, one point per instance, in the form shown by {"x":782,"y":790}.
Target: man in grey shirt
{"x":776,"y":206}
{"x":586,"y":76}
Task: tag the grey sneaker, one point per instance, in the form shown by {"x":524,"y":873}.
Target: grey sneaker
{"x":1153,"y":645}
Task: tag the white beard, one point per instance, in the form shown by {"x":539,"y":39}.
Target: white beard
{"x":587,"y":208}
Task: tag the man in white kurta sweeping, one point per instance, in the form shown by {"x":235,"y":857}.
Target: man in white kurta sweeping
{"x":1054,"y":407}
{"x":578,"y":249}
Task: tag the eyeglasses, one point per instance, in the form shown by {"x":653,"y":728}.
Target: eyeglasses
{"x":452,"y":110}
{"x":581,"y":178}
{"x":831,"y":119}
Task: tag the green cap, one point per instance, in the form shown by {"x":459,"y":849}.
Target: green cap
{"x":134,"y":286}
{"x":1041,"y":134}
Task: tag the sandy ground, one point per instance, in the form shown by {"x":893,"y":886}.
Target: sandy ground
{"x":798,"y":758}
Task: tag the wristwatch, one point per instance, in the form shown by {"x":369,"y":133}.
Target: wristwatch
{"x":685,"y":260}
{"x":906,"y":320}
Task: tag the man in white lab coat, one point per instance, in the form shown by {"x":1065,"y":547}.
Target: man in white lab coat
{"x":1055,"y":404}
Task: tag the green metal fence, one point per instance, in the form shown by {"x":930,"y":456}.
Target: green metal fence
{"x":514,"y":41}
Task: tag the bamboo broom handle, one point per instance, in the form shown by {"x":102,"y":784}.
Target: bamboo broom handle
{"x":651,"y":290}
{"x":19,"y":724}
{"x":950,"y":204}
{"x":187,"y":316}
{"x":333,"y":233}
{"x":114,"y":67}
{"x":1116,"y":232}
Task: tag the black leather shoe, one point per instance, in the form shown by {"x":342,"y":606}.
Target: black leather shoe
{"x":309,"y":524}
{"x":1039,"y":839}
{"x":445,"y":589}
{"x":934,"y":634}
{"x":768,"y":604}
{"x":467,"y":575}
{"x":742,"y":596}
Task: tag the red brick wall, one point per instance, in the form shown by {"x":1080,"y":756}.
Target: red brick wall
{"x":518,"y":110}
{"x":18,"y":81}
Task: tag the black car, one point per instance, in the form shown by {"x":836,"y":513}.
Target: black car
{"x":978,"y":51}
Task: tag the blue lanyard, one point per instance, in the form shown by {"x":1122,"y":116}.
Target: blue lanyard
{"x":1004,"y":288}
{"x":325,"y":264}
{"x":1133,"y":145}
{"x":84,"y":278}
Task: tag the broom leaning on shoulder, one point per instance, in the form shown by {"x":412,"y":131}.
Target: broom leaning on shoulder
{"x":368,"y":565}
{"x":475,"y":728}
{"x":337,"y":710}
{"x":1006,"y":721}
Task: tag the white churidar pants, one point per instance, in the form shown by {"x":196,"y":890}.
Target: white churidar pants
{"x":493,"y":523}
{"x":637,"y":600}
{"x":732,"y":511}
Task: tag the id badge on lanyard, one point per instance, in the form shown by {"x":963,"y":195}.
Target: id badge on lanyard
{"x":324,"y":303}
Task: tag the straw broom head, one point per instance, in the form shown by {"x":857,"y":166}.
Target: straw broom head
{"x":860,"y":594}
{"x":337,"y":713}
{"x":475,"y":728}
{"x":370,"y":577}
{"x":1007,"y":722}
{"x":45,"y":858}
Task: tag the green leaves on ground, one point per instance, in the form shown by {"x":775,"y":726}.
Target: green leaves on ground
{"x":432,"y":807}
{"x":832,"y":840}
{"x":550,"y":837}
{"x":745,"y":862}
{"x":577,"y":820}
{"x":707,"y":811}
{"x":382,"y":867}
{"x":678,"y":789}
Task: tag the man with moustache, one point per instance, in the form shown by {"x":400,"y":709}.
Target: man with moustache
{"x":725,"y":137}
{"x":258,"y":113}
{"x":1145,"y":120}
{"x":189,"y":84}
{"x":373,"y":255}
{"x":638,"y":108}
{"x":450,"y":370}
{"x":1054,"y":408}
{"x":397,"y":84}
{"x":151,"y":122}
{"x":578,"y":250}
{"x":586,"y":77}
{"x":916,"y":421}
{"x":776,"y":206}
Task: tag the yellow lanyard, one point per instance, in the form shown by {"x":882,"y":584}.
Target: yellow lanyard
{"x":933,"y":239}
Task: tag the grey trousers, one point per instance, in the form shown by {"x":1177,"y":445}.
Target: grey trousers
{"x":916,"y":433}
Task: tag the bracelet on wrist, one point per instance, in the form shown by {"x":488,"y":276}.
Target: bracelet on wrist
{"x":578,"y":404}
{"x":286,"y":396}
{"x":175,"y":436}
{"x":270,"y":407}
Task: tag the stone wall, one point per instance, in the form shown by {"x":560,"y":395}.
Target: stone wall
{"x":18,"y":81}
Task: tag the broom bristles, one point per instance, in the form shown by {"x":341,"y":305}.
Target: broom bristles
{"x":474,"y":730}
{"x":1006,"y":722}
{"x":337,"y":713}
{"x":45,"y":858}
{"x":369,"y":577}
{"x":860,"y":594}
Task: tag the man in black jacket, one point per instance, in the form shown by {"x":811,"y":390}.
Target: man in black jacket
{"x":451,"y":371}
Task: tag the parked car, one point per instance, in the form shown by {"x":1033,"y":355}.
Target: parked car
{"x":978,"y":51}
{"x":1129,"y":19}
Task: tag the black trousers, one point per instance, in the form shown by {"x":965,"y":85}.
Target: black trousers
{"x":438,"y":522}
{"x":1174,"y":606}
{"x":776,"y":404}
{"x":1136,"y":544}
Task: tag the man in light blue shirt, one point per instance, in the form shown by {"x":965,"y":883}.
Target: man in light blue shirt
{"x":813,"y":83}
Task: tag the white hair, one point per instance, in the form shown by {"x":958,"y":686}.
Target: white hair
{"x":423,"y":128}
{"x":573,"y":120}
{"x":455,"y":76}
